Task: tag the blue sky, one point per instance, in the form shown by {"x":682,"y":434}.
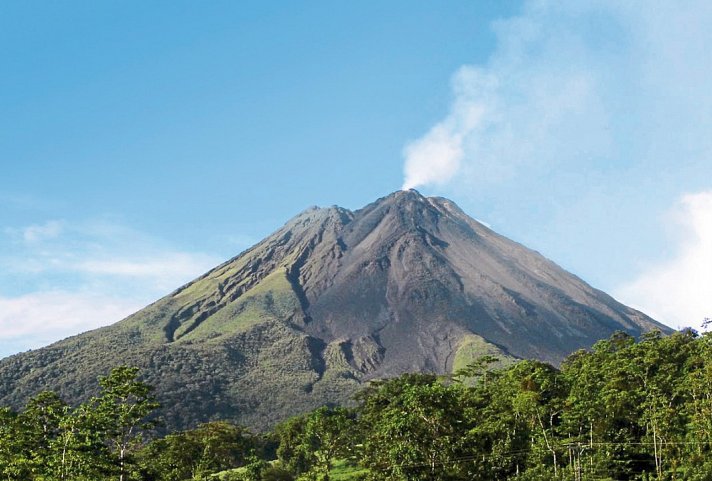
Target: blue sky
{"x":144,"y":142}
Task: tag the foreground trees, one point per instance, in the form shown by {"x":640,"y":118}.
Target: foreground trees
{"x":51,"y":441}
{"x":309,"y":444}
{"x":413,"y":427}
{"x":196,"y":454}
{"x":624,"y":410}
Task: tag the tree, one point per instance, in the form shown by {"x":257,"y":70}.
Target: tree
{"x":414,"y":426}
{"x":196,"y":454}
{"x":122,"y":411}
{"x":328,"y":434}
{"x":80,"y":451}
{"x":292,"y":452}
{"x":311,"y":443}
{"x":478,"y":370}
{"x":14,"y":458}
{"x":35,"y":429}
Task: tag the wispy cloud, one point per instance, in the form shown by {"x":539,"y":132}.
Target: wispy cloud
{"x":529,"y":106}
{"x":59,"y":278}
{"x":165,"y":270}
{"x":437,"y":157}
{"x":588,"y":119}
{"x":679,"y":290}
{"x":97,"y":248}
{"x":38,"y":232}
{"x":575,"y":86}
{"x":35,"y":319}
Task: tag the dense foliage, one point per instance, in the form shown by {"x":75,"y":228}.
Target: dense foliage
{"x":624,"y":410}
{"x":49,"y":440}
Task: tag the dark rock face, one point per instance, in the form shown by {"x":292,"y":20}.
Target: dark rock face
{"x":334,"y":298}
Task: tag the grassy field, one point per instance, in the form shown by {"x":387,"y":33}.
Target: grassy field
{"x":342,"y":471}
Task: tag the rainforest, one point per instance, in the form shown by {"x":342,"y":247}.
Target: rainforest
{"x":626,"y":409}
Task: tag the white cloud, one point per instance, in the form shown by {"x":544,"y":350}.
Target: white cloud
{"x":433,"y":159}
{"x":47,"y":316}
{"x":60,"y":278}
{"x":168,"y":270}
{"x":436,"y":157}
{"x":536,"y":94}
{"x":36,"y":233}
{"x":588,"y":120}
{"x":679,"y":291}
{"x":100,"y":249}
{"x":574,"y":88}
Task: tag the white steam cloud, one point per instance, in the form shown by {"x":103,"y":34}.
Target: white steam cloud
{"x":433,"y":159}
{"x":436,"y":158}
{"x":588,"y":120}
{"x":571,"y":85}
{"x":536,"y":94}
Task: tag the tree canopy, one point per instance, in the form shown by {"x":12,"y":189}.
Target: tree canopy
{"x":624,"y":410}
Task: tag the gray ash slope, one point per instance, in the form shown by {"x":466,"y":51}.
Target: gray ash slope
{"x":332,"y":299}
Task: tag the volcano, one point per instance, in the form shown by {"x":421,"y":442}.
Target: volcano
{"x":333,"y":299}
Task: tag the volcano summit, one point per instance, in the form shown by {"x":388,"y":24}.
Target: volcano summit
{"x":332,"y":299}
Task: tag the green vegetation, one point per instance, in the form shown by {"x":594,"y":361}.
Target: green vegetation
{"x":51,"y":441}
{"x":342,"y":470}
{"x":473,"y":348}
{"x":271,"y":299}
{"x":224,"y":378}
{"x":625,"y":410}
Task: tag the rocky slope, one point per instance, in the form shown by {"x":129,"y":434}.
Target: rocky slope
{"x":332,"y":299}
